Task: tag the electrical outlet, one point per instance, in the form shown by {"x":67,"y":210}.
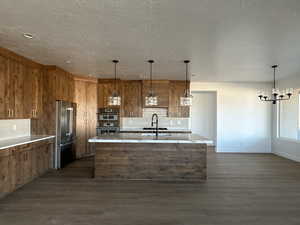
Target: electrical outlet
{"x":14,"y":127}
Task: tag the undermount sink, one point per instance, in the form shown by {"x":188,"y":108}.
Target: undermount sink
{"x":153,"y":128}
{"x":154,"y":134}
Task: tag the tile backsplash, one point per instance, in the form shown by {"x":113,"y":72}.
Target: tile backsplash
{"x":14,"y":128}
{"x":164,"y":121}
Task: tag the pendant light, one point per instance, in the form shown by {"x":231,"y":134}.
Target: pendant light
{"x":115,"y":99}
{"x":151,"y":99}
{"x":277,"y":95}
{"x":186,"y":99}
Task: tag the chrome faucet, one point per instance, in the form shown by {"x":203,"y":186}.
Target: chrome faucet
{"x":156,"y":122}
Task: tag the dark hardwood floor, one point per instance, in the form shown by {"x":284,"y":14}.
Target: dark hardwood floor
{"x":241,"y":189}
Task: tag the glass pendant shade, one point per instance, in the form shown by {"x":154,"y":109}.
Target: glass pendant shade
{"x":187,"y":98}
{"x":185,"y":101}
{"x":151,"y":100}
{"x":115,"y":99}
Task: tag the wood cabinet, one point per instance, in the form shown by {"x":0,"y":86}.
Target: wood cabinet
{"x":20,"y":87}
{"x":133,"y":93}
{"x":4,"y":113}
{"x":5,"y":178}
{"x":132,"y":99}
{"x":86,"y":120}
{"x":32,"y":93}
{"x":177,"y":90}
{"x":160,"y":89}
{"x":21,"y":164}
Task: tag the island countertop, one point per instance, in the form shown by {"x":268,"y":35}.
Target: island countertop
{"x":151,"y":138}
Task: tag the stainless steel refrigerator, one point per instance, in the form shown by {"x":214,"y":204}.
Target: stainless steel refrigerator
{"x":65,"y":134}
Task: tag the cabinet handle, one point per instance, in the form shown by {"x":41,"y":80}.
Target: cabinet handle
{"x":12,"y":113}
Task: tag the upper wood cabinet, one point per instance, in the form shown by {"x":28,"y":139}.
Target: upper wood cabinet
{"x":177,"y":90}
{"x":106,"y":89}
{"x":160,"y":89}
{"x":4,"y":113}
{"x":20,"y":95}
{"x":132,"y":99}
{"x":32,"y":93}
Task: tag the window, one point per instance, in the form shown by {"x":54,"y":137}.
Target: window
{"x":288,"y":117}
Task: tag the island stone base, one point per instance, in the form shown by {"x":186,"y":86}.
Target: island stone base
{"x":150,"y":161}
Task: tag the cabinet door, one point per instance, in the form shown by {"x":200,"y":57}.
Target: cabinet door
{"x":4,"y":114}
{"x":161,"y":90}
{"x":9,"y":101}
{"x":5,"y":173}
{"x":17,"y":159}
{"x":29,"y":94}
{"x":177,"y":90}
{"x":91,"y":112}
{"x":81,"y":118}
{"x":27,"y":165}
{"x":34,"y":161}
{"x":18,"y":112}
{"x":132,"y":99}
{"x":40,"y":160}
{"x":47,"y":156}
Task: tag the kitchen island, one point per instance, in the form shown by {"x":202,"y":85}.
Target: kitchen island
{"x":142,"y":156}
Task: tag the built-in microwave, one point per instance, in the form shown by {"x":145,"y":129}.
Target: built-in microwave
{"x":108,"y":117}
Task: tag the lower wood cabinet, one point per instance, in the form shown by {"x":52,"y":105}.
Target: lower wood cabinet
{"x":5,"y":178}
{"x":20,"y":165}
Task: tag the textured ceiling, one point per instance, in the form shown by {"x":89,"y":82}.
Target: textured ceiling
{"x":226,"y":40}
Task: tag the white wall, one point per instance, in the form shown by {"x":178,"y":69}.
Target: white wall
{"x":204,"y":114}
{"x":243,"y":122}
{"x":281,"y":146}
{"x":14,"y":128}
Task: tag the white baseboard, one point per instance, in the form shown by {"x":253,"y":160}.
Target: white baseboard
{"x":288,"y":156}
{"x":239,"y":150}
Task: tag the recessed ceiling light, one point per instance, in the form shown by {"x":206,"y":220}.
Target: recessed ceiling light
{"x":27,"y":35}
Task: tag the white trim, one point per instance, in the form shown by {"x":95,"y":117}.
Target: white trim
{"x":288,"y":156}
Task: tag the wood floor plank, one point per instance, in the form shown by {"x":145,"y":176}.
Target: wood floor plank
{"x":241,"y":189}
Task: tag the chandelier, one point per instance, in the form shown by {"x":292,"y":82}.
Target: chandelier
{"x":277,"y":95}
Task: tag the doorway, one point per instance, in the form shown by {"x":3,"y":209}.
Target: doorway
{"x":204,"y":114}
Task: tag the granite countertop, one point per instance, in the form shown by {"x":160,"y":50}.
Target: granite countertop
{"x":149,"y":138}
{"x":8,"y":143}
{"x":141,"y":130}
